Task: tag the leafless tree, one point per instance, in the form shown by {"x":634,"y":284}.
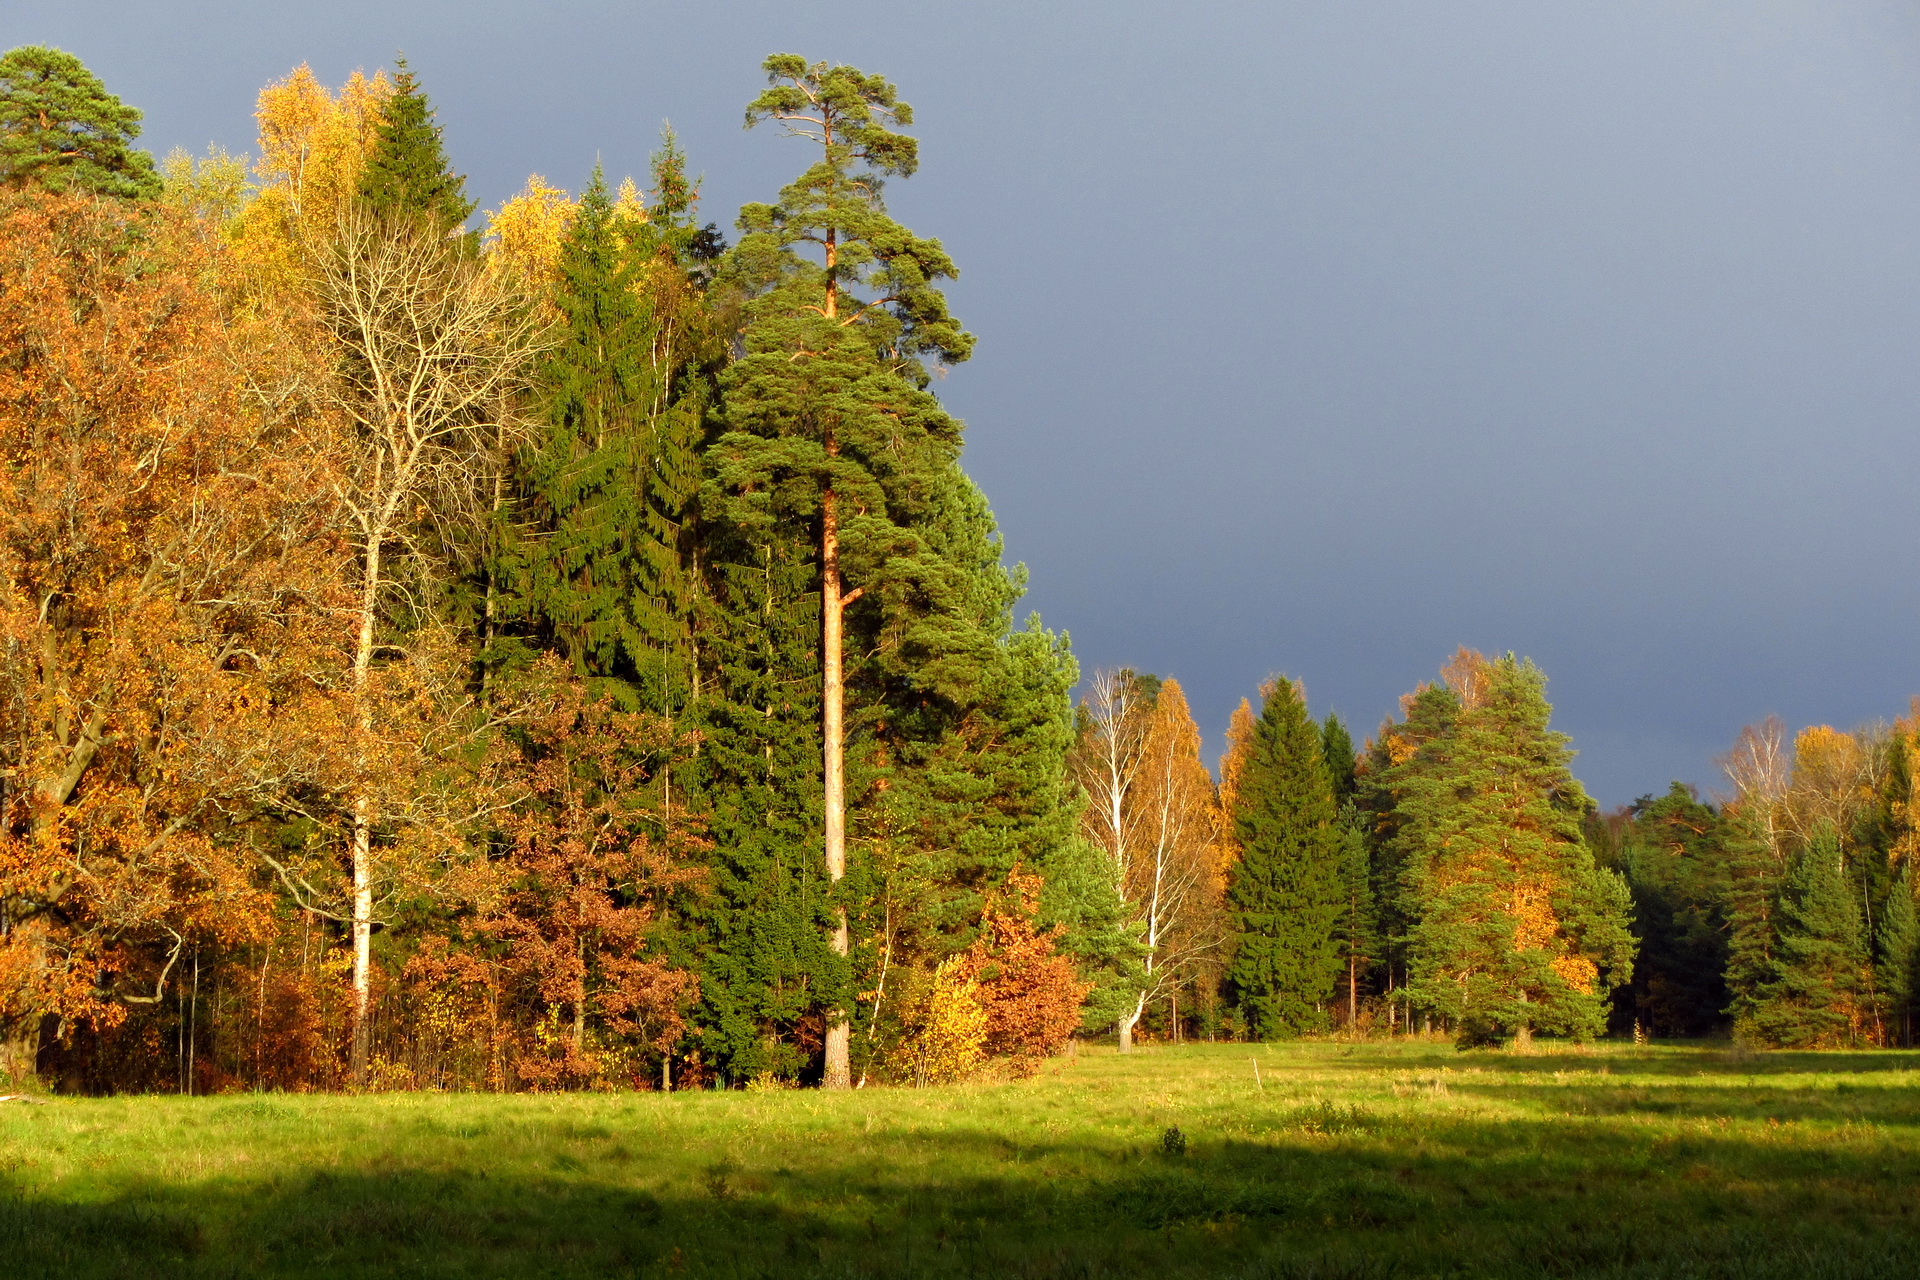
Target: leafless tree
{"x":433,"y":348}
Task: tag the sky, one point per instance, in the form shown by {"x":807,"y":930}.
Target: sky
{"x":1318,"y":338}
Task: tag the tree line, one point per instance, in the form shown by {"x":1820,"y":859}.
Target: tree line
{"x":568,"y":653}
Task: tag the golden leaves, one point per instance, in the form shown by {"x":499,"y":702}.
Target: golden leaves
{"x":525,"y":235}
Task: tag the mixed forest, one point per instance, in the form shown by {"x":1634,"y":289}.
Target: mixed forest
{"x":559,"y":647}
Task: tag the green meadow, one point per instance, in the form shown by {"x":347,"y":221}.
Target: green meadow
{"x":1342,"y":1160}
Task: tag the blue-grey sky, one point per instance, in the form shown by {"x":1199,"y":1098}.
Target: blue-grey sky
{"x":1319,"y":337}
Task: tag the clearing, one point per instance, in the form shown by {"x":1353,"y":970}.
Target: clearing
{"x":1347,"y":1160}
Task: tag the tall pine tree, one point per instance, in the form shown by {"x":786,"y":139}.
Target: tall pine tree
{"x":1285,"y":895}
{"x":1512,"y":927}
{"x":62,"y":131}
{"x":833,"y":430}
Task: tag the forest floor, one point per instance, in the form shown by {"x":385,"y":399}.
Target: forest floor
{"x":1344,"y":1160}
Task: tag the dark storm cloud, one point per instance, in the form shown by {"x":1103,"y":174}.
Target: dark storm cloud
{"x":1322,"y":337}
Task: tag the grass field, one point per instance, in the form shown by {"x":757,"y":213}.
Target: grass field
{"x":1345,"y":1161}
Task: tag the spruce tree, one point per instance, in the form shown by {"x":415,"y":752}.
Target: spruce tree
{"x":62,"y":131}
{"x":611,"y":480}
{"x":407,"y":176}
{"x":833,"y":431}
{"x":1285,"y":895}
{"x":1813,"y":992}
{"x":1336,"y":745}
{"x":1896,"y":952}
{"x":1753,"y":875}
{"x":1512,"y":927}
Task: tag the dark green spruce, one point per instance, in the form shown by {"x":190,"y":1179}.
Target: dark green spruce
{"x":1286,"y":893}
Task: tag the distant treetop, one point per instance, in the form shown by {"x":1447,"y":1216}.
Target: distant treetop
{"x":61,"y":130}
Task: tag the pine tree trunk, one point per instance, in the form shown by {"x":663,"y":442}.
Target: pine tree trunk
{"x":839,"y":1073}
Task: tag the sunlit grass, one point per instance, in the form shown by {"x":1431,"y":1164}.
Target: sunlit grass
{"x":1344,"y":1160}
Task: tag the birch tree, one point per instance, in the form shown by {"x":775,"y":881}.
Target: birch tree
{"x":434,"y":349}
{"x":1153,"y":811}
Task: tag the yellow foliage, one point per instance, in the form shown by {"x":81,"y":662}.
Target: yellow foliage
{"x":952,"y":1040}
{"x":627,"y":204}
{"x":313,"y":144}
{"x":1831,"y":781}
{"x":525,"y":235}
{"x":1535,"y":925}
{"x":1577,"y":972}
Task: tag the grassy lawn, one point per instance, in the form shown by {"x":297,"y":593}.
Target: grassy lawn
{"x":1348,"y":1161}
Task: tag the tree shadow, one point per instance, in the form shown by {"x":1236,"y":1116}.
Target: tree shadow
{"x":1322,"y":1192}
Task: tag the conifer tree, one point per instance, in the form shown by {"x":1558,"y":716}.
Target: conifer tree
{"x":1813,"y":992}
{"x":1336,"y":744}
{"x":1754,"y":873}
{"x":1285,"y":895}
{"x":1512,"y":926}
{"x":1674,"y":855}
{"x":613,"y":475}
{"x":833,"y":429}
{"x":1896,"y":952}
{"x":407,"y":176}
{"x":62,"y":131}
{"x":1391,"y":763}
{"x":1358,"y":925}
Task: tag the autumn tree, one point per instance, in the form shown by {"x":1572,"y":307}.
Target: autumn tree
{"x":1024,"y":983}
{"x":60,"y":129}
{"x":1284,"y":898}
{"x":1155,"y":817}
{"x":1512,"y":925}
{"x":832,"y":425}
{"x":165,"y":589}
{"x":314,"y":143}
{"x":434,"y":347}
{"x":592,"y":864}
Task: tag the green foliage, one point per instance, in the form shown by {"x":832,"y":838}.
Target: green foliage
{"x":407,"y":175}
{"x":1813,"y":990}
{"x":62,"y":131}
{"x":1512,"y":925}
{"x":957,"y":724}
{"x":610,"y":483}
{"x":1285,"y":894}
{"x":1754,"y":870}
{"x":1896,"y":954}
{"x":1674,"y":855}
{"x":1336,"y":745}
{"x":759,"y":928}
{"x":1357,"y":929}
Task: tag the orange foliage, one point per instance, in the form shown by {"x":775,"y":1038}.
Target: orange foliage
{"x":1030,"y":991}
{"x":163,"y":583}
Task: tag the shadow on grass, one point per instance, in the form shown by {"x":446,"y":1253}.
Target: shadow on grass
{"x":1550,"y":1058}
{"x":1328,"y":1192}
